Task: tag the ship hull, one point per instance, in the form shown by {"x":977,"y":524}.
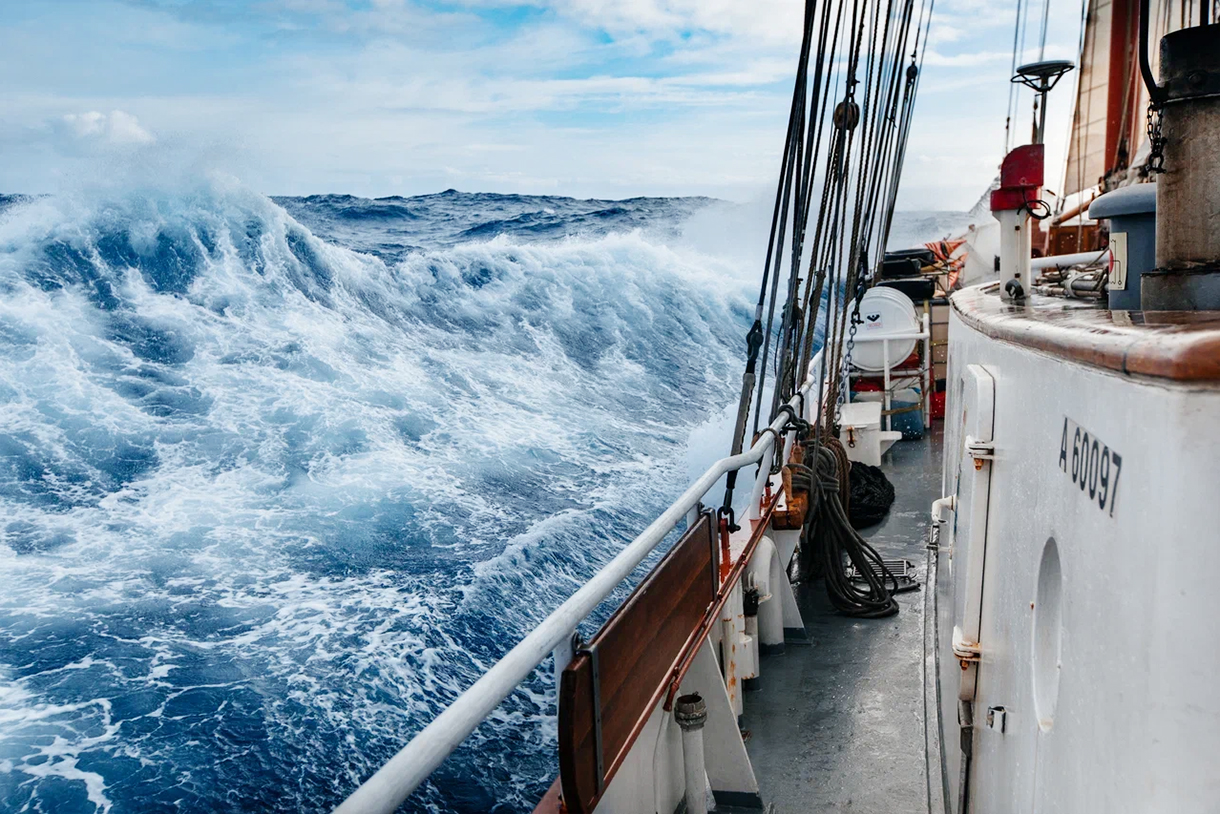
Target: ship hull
{"x":1077,"y":570}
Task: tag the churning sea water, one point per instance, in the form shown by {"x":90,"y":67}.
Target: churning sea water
{"x":278,"y":479}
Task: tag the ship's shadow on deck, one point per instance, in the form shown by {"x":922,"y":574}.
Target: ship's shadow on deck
{"x":839,"y":726}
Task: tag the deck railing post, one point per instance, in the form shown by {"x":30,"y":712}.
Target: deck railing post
{"x":562,"y":654}
{"x":690,"y":712}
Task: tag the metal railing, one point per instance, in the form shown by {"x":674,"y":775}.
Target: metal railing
{"x":404,"y":772}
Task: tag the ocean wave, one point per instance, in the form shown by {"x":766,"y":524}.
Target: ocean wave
{"x":270,"y":503}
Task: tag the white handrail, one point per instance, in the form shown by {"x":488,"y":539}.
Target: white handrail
{"x":404,"y":772}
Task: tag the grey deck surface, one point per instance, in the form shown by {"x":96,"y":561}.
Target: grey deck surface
{"x":839,"y":726}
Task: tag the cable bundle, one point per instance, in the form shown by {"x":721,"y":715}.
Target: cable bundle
{"x":831,"y":542}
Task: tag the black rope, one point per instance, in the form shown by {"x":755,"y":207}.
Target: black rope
{"x":872,"y":494}
{"x":836,"y":544}
{"x":849,"y":121}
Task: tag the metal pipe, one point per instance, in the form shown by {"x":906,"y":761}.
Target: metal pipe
{"x":691,"y":714}
{"x":1059,"y":261}
{"x":404,"y":772}
{"x":1083,"y":206}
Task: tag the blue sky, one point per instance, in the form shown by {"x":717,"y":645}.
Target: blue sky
{"x":608,"y":98}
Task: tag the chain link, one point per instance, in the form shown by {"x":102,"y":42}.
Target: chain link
{"x":1156,"y":142}
{"x":845,"y":385}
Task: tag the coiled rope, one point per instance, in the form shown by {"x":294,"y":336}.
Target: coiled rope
{"x":832,"y":543}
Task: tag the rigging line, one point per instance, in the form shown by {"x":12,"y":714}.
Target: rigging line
{"x":828,"y":272}
{"x":910,"y":117}
{"x":877,"y":147}
{"x":791,"y":174}
{"x":1012,"y":88}
{"x":1077,"y":129}
{"x":1046,"y":13}
{"x":866,"y":168}
{"x":755,"y":338}
{"x":1024,"y":33}
{"x":826,"y":81}
{"x":788,"y":313}
{"x":830,"y":259}
{"x":817,"y":255}
{"x":819,"y":97}
{"x":798,"y":220}
{"x":882,"y":148}
{"x":836,"y":241}
{"x":910,"y":93}
{"x":892,"y":143}
{"x":799,"y":100}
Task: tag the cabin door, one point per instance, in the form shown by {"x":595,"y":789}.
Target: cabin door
{"x":960,"y":577}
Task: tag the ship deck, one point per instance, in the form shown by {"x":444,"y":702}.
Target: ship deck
{"x":838,"y":726}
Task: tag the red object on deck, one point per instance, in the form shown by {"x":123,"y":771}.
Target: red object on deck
{"x":1021,"y":176}
{"x":938,"y":405}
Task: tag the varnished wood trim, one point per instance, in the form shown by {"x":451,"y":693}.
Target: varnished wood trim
{"x":551,"y":802}
{"x":1182,"y":346}
{"x":637,"y":649}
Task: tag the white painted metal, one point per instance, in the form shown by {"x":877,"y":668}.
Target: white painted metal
{"x":725,"y":758}
{"x":861,"y":433}
{"x":404,"y":772}
{"x":736,"y":647}
{"x":767,"y":574}
{"x":1062,"y":261}
{"x":961,"y":560}
{"x":693,"y":772}
{"x":1015,"y":248}
{"x":1097,"y":628}
{"x":885,"y":313}
{"x":969,"y":554}
{"x":923,"y":375}
{"x":651,"y":777}
{"x":785,"y":544}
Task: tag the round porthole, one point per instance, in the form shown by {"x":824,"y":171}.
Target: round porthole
{"x":1048,"y":635}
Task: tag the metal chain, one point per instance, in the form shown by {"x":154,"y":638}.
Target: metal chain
{"x":1156,"y":141}
{"x":845,"y":386}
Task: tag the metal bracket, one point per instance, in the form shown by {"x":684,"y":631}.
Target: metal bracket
{"x":980,"y":451}
{"x":595,"y":680}
{"x":966,"y":652}
{"x":997,"y":718}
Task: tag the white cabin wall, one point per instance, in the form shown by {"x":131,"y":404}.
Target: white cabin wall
{"x":1137,"y":722}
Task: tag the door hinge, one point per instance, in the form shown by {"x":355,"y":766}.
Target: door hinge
{"x":966,"y":652}
{"x":980,"y":451}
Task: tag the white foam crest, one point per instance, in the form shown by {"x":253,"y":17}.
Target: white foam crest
{"x":324,"y":461}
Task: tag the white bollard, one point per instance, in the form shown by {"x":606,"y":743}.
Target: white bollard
{"x":690,"y":712}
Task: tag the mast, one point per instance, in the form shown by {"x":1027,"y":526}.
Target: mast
{"x":1122,"y":95}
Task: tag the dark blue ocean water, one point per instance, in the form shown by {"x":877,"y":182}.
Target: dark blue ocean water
{"x":279,"y":478}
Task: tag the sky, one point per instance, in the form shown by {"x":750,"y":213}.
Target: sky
{"x":589,"y":98}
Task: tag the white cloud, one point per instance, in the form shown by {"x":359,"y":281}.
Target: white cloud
{"x":601,"y":97}
{"x":116,"y":127}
